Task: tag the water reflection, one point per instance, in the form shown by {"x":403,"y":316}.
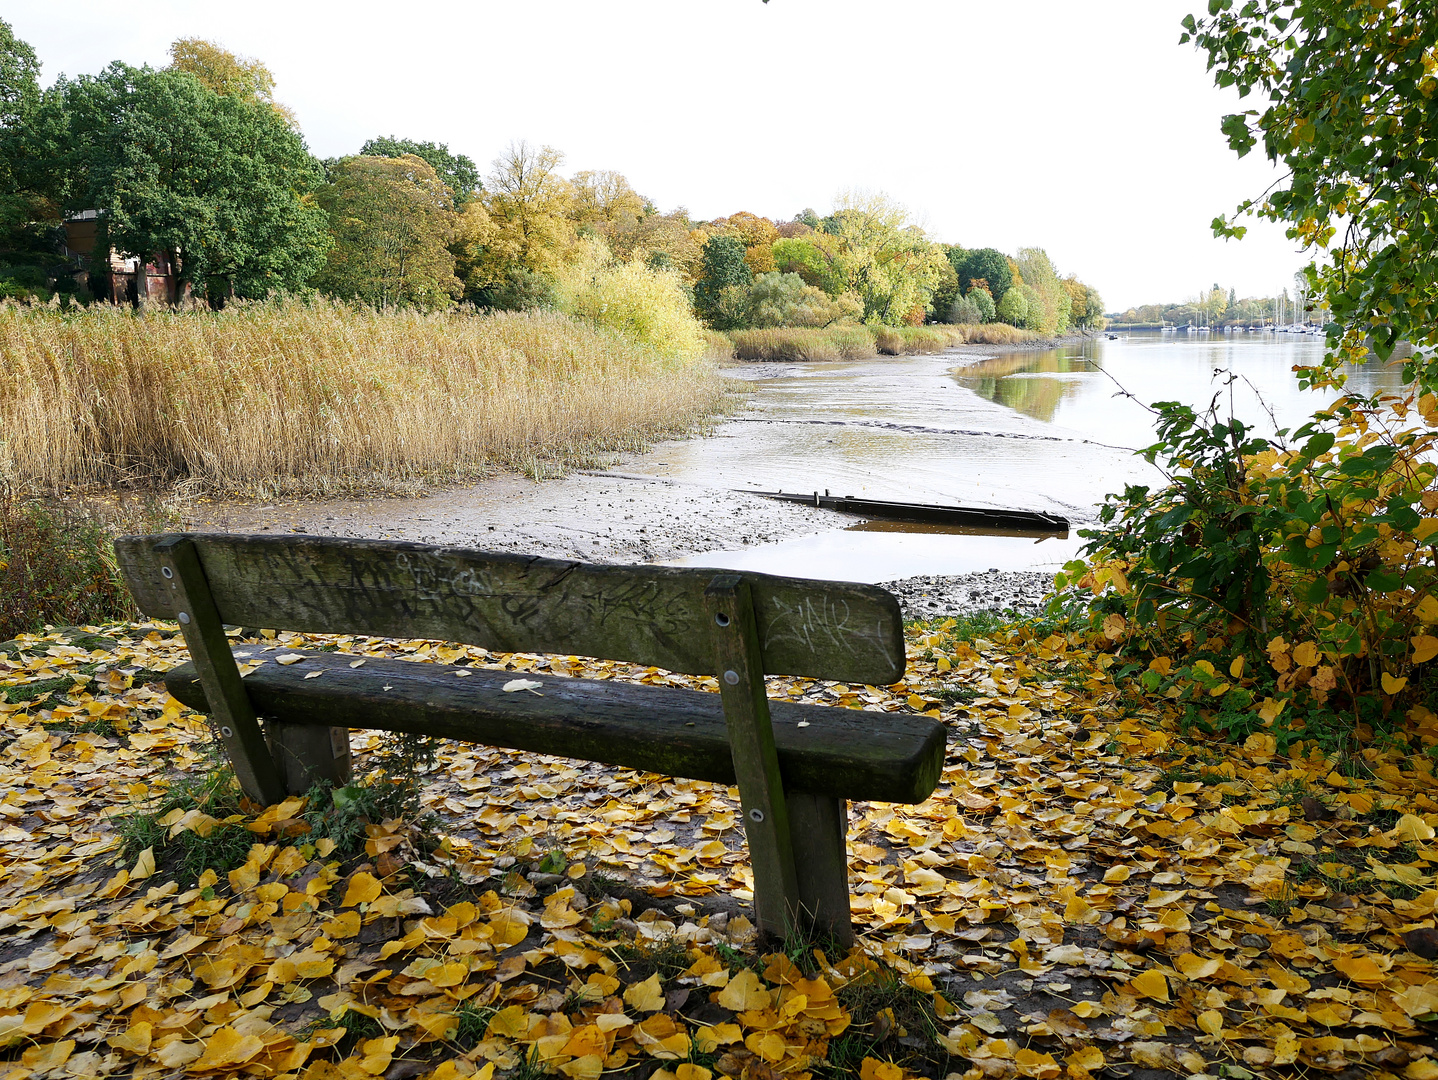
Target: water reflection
{"x":1032,"y":383}
{"x":1048,"y":430}
{"x":1083,"y":387}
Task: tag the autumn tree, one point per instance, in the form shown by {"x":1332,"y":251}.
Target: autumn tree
{"x":459,"y":173}
{"x":225,"y":73}
{"x":529,"y":203}
{"x":756,"y":233}
{"x":886,"y":261}
{"x":392,"y":220}
{"x":667,"y":240}
{"x":1085,"y":304}
{"x":604,"y":203}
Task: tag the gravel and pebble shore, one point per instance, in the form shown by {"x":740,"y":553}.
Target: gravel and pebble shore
{"x":934,"y":597}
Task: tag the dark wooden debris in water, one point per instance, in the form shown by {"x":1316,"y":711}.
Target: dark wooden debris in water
{"x":924,"y":513}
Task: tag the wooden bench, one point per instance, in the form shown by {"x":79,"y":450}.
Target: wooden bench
{"x":795,"y":765}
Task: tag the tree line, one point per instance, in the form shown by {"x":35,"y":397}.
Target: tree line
{"x":198,"y":163}
{"x":1221,"y":307}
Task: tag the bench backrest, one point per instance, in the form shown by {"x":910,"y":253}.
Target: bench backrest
{"x":514,"y":603}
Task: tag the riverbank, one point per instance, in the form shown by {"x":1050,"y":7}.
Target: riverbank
{"x":853,"y":342}
{"x":605,"y":518}
{"x":888,"y":427}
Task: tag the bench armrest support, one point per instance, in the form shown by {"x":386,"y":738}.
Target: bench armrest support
{"x":740,"y":670}
{"x":230,"y":710}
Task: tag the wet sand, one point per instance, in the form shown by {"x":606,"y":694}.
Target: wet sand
{"x":597,"y":517}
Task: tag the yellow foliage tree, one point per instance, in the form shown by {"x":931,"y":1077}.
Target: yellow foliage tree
{"x":606,"y":204}
{"x":631,"y":298}
{"x":225,"y":73}
{"x":392,"y":220}
{"x":530,"y":209}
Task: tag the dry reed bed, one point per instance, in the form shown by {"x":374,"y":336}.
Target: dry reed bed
{"x":861,"y":342}
{"x":321,"y":398}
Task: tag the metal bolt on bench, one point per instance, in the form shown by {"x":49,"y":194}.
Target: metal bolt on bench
{"x":796,"y":766}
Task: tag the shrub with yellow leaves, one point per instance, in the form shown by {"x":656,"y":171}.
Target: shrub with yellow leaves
{"x":1302,"y":564}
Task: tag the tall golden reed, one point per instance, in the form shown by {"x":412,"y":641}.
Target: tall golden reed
{"x":851,"y":342}
{"x":319,"y":397}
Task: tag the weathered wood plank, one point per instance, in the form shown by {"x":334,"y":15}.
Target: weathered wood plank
{"x":819,"y":828}
{"x":751,"y":745}
{"x":513,"y":603}
{"x":884,"y":757}
{"x":178,"y":566}
{"x":308,"y":755}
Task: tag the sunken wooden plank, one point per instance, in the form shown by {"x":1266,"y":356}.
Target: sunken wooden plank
{"x":886,"y":757}
{"x":751,"y":745}
{"x":514,"y":603}
{"x":233,"y":714}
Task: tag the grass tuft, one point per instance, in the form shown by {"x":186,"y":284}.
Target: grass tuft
{"x":795,"y":343}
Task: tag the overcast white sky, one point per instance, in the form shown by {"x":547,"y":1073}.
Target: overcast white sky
{"x":1082,"y":128}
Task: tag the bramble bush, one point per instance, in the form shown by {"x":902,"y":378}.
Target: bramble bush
{"x":1280,"y":584}
{"x":56,"y":566}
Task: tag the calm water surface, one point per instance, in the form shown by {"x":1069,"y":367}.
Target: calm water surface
{"x":1039,"y":430}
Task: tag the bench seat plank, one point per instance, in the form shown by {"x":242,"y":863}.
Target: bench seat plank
{"x":851,"y":754}
{"x":516,"y":603}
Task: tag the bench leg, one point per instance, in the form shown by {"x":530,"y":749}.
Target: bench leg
{"x":819,"y":827}
{"x":308,"y":754}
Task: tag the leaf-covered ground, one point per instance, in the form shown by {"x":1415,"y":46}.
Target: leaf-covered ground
{"x":1088,"y":893}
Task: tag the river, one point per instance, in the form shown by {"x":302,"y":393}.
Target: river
{"x":1032,"y":430}
{"x":1048,"y":430}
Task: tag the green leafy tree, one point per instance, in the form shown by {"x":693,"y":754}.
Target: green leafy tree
{"x":459,"y":173}
{"x":724,"y":269}
{"x":216,"y":180}
{"x":1049,"y":301}
{"x":814,"y":257}
{"x":19,"y":79}
{"x":1350,"y":104}
{"x":989,"y":266}
{"x":392,"y":220}
{"x":26,"y":236}
{"x":964,"y":311}
{"x":981,"y":299}
{"x":1013,"y":307}
{"x":785,"y":300}
{"x":883,"y":259}
{"x":947,"y":289}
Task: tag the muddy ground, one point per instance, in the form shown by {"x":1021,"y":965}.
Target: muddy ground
{"x":613,"y":516}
